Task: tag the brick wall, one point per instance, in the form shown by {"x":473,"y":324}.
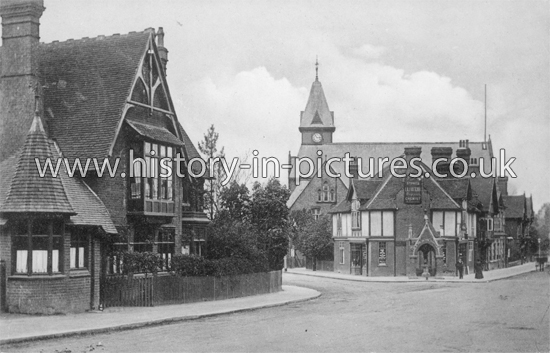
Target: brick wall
{"x":308,"y":198}
{"x":48,"y":294}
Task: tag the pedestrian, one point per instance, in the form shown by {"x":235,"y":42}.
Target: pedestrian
{"x":478,"y":270}
{"x":460,"y":268}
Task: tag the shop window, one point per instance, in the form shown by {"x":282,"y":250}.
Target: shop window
{"x":342,"y":253}
{"x":79,"y":251}
{"x":382,"y":253}
{"x":37,"y":246}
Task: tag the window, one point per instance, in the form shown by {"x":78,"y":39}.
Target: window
{"x":37,"y":246}
{"x":78,"y":251}
{"x":143,"y":239}
{"x":165,"y":246}
{"x":489,"y":224}
{"x":355,"y":214}
{"x":382,"y":253}
{"x":342,"y":253}
{"x":325,"y":192}
{"x":319,"y":195}
{"x":444,"y":250}
{"x":332,"y":195}
{"x":381,"y":223}
{"x":339,"y":224}
{"x":316,"y":213}
{"x":450,"y":220}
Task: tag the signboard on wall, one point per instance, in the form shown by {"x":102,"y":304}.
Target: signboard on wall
{"x":413,"y":191}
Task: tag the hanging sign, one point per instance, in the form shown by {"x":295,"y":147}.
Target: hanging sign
{"x":413,"y":191}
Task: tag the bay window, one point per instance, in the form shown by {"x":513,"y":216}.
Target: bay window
{"x":151,"y":187}
{"x":37,"y":246}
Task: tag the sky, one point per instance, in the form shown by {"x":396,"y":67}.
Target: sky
{"x":392,"y":71}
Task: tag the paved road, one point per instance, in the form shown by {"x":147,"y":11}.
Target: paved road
{"x":502,"y":316}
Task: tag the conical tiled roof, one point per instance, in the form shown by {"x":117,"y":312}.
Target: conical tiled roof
{"x":29,"y":192}
{"x":317,"y":112}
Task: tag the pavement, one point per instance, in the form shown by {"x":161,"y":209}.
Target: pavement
{"x":488,"y":276}
{"x":16,"y":328}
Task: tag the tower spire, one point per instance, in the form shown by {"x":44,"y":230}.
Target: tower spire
{"x":316,"y":68}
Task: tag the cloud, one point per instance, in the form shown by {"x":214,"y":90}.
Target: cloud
{"x":369,"y":51}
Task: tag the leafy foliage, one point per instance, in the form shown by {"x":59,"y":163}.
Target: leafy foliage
{"x":141,"y":262}
{"x":208,"y":147}
{"x":315,"y":238}
{"x":193,"y":265}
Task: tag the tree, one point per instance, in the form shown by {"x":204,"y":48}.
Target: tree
{"x":213,"y":187}
{"x":315,"y":239}
{"x":269,"y":217}
{"x":541,"y":227}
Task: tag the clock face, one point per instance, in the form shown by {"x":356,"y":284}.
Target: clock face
{"x":317,"y":137}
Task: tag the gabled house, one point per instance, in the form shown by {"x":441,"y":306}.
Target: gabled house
{"x":400,"y":226}
{"x":97,"y":100}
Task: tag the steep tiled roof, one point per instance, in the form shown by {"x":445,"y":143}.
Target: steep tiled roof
{"x":28,"y":191}
{"x":515,"y":206}
{"x":484,"y":188}
{"x":154,"y":132}
{"x":457,"y":188}
{"x":343,"y":206}
{"x":189,"y":146}
{"x":90,"y":209}
{"x":365,"y":188}
{"x":86,"y":84}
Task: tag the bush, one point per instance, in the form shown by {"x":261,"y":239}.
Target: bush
{"x":193,"y":265}
{"x":141,"y":262}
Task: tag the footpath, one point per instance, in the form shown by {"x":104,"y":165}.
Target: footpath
{"x":488,"y":276}
{"x":16,"y":328}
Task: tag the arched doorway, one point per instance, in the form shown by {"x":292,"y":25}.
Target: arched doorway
{"x":426,"y":257}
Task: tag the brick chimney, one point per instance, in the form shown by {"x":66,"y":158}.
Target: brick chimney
{"x":463,"y":152}
{"x":20,"y":39}
{"x":502,"y":183}
{"x":442,"y":152}
{"x":163,"y":52}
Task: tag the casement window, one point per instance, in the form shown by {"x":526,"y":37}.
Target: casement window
{"x":78,"y":251}
{"x":37,"y":246}
{"x":489,"y":224}
{"x":316,"y":212}
{"x":450,"y":220}
{"x":382,"y":255}
{"x":381,"y":223}
{"x":355,"y":214}
{"x":339,"y":224}
{"x":342,"y":253}
{"x":165,"y":247}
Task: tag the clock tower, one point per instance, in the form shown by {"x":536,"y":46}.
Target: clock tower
{"x":316,"y":121}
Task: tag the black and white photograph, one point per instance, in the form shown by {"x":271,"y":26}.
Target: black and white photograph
{"x":274,"y":176}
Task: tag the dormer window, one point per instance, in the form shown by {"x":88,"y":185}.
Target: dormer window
{"x":326,"y":192}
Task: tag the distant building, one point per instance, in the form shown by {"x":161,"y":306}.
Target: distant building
{"x":378,"y":230}
{"x":89,"y":98}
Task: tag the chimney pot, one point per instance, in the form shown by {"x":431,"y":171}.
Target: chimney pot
{"x":163,"y":52}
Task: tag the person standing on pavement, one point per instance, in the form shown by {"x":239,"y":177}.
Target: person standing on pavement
{"x":478,"y":270}
{"x":460,"y":268}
